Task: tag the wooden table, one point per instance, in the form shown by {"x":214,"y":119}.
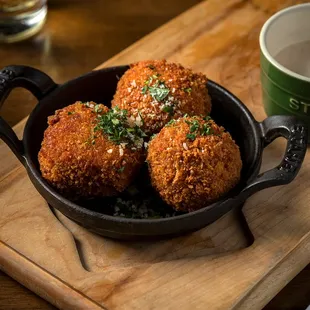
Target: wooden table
{"x":277,"y":255}
{"x":79,"y":35}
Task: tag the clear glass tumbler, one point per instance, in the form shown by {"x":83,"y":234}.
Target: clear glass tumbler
{"x":20,"y":19}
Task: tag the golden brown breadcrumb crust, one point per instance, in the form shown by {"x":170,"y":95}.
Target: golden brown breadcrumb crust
{"x":190,"y":174}
{"x":187,"y":91}
{"x":78,"y":164}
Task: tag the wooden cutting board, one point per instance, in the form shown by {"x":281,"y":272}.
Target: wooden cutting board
{"x":214,"y":268}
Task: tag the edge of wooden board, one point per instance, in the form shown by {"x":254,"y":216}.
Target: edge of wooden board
{"x":40,"y":281}
{"x":264,"y":290}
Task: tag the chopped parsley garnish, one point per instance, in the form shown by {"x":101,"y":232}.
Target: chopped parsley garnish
{"x":169,"y":109}
{"x":70,"y":113}
{"x":144,"y":89}
{"x":188,"y":90}
{"x":170,"y":123}
{"x":191,"y":136}
{"x":158,"y":91}
{"x":91,"y":140}
{"x":159,"y":94}
{"x":153,"y":136}
{"x":120,"y":170}
{"x":206,"y":130}
{"x":149,"y":81}
{"x":116,"y":125}
{"x":196,"y":128}
{"x":97,"y":108}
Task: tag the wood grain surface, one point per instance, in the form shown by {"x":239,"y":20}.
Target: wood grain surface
{"x":14,"y":296}
{"x":96,"y":31}
{"x":213,"y":268}
{"x":79,"y":35}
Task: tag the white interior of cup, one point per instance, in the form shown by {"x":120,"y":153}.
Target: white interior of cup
{"x":285,"y":28}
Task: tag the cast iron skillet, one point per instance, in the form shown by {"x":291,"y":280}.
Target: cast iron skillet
{"x":100,"y":86}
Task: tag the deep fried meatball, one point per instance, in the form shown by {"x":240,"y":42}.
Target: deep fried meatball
{"x":81,"y":161}
{"x":161,"y":91}
{"x":193,"y":162}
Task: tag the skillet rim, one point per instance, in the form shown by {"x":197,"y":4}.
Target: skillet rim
{"x":71,"y":206}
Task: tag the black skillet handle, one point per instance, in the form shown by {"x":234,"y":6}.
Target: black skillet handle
{"x":37,"y":82}
{"x":296,"y":134}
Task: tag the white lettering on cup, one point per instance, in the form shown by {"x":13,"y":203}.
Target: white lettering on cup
{"x":306,"y":105}
{"x":296,"y":105}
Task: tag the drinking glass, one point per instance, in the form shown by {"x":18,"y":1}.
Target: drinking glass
{"x":20,"y":19}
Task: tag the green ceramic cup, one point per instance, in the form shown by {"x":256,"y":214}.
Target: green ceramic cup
{"x":285,"y":90}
